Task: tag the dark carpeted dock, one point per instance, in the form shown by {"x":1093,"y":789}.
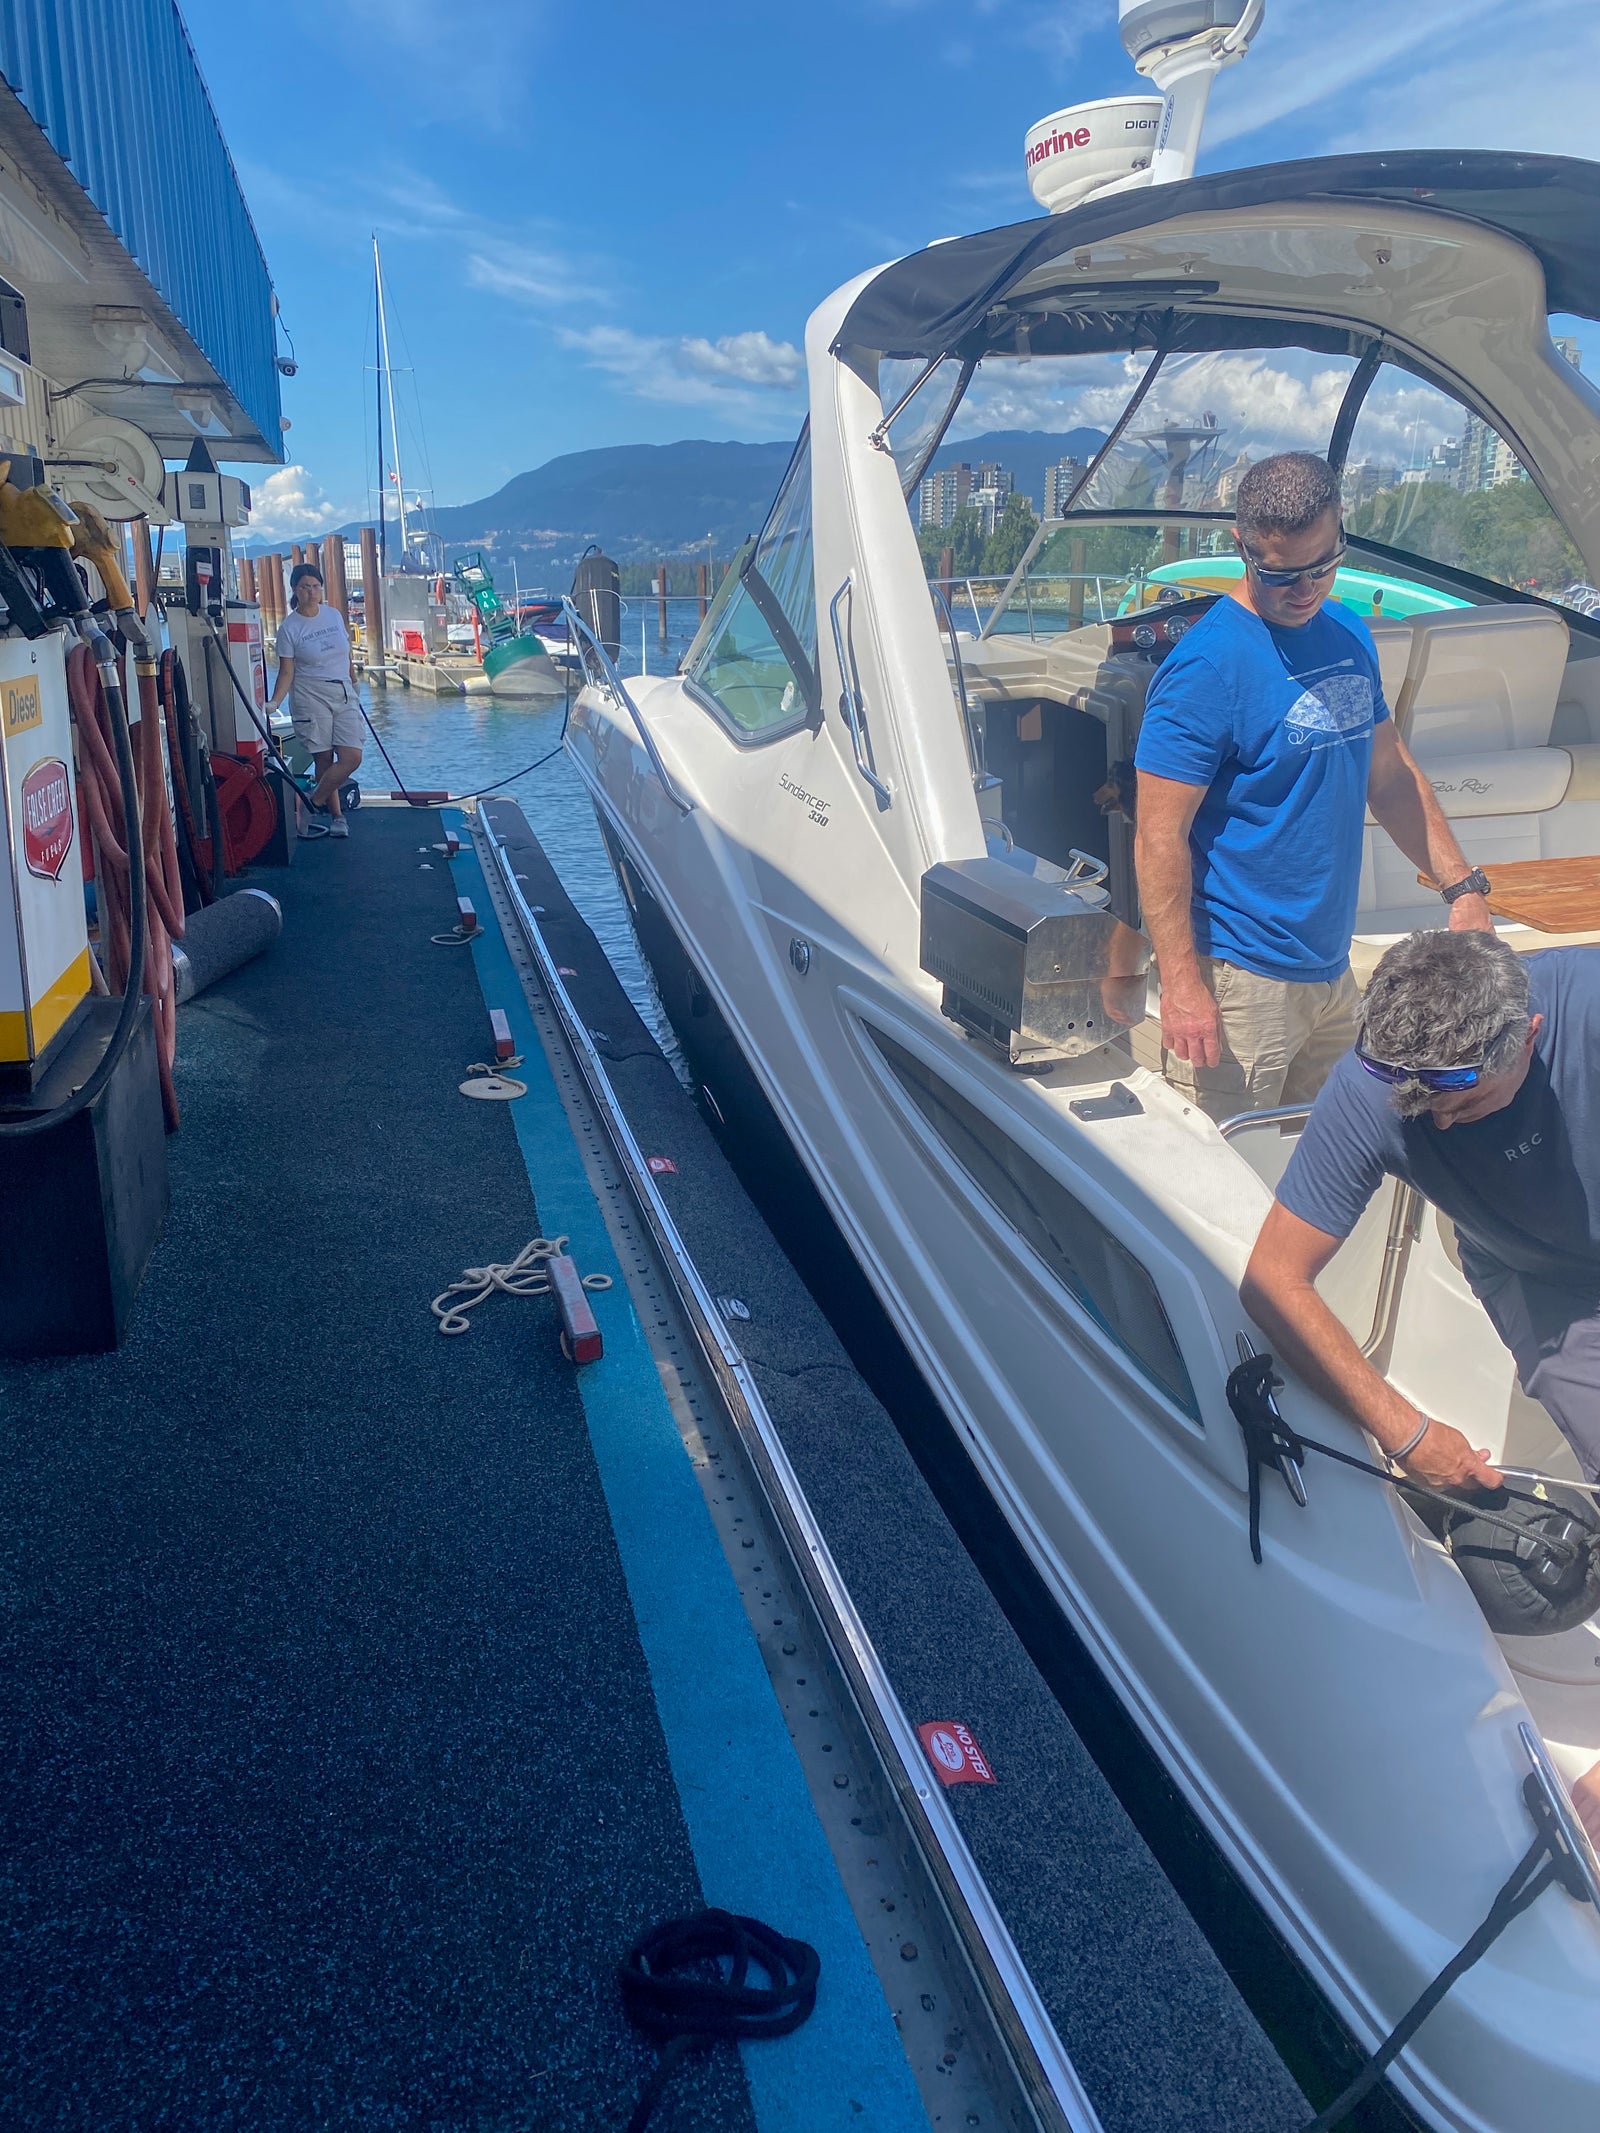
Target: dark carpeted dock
{"x":337,"y":1776}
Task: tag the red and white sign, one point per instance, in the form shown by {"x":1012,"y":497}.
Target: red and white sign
{"x":954,"y":1754}
{"x":661,"y":1166}
{"x":46,"y":798}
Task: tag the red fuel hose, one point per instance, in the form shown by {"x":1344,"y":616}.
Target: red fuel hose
{"x":157,"y":874}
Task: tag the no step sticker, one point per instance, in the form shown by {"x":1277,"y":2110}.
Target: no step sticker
{"x":954,"y":1754}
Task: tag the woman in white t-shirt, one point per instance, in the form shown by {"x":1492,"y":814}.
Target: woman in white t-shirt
{"x":316,"y":671}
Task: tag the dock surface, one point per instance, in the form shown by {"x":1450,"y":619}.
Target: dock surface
{"x":337,"y":1780}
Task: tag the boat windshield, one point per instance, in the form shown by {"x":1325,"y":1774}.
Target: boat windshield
{"x":1069,"y":489}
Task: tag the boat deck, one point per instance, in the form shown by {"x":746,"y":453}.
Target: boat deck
{"x":370,"y":1691}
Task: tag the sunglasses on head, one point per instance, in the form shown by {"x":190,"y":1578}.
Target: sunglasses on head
{"x":1441,"y":1080}
{"x":1281,"y":580}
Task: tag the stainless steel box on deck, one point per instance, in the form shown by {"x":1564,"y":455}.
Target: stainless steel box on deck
{"x":1028,"y":960}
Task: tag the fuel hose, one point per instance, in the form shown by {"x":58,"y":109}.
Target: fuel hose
{"x":100,"y":656}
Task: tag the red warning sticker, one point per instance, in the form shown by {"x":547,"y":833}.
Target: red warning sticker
{"x":661,"y":1166}
{"x":47,"y":817}
{"x":954,"y":1753}
{"x":564,"y":970}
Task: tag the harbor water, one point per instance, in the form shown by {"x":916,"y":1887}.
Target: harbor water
{"x":462,"y":744}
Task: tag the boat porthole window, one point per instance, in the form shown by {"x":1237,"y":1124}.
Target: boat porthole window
{"x":1094,"y":1267}
{"x":754,"y":662}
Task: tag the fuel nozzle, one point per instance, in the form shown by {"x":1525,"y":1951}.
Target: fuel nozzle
{"x":37,"y":528}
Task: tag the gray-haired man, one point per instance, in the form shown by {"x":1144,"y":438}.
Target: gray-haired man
{"x":1265,"y":740}
{"x":1474,"y":1082}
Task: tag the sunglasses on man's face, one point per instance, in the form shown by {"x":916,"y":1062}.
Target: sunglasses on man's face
{"x":1281,"y":580}
{"x":1443,"y":1081}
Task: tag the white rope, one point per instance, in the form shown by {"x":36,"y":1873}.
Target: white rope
{"x":526,"y":1275}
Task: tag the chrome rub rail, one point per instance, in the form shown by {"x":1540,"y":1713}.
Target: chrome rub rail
{"x":1044,"y":2069}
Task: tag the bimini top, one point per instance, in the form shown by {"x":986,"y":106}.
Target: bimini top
{"x":951,"y":298}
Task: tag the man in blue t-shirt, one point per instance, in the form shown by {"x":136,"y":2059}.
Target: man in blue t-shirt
{"x":1474,"y":1082}
{"x":1265,"y":739}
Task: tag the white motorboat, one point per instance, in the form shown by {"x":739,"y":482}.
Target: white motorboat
{"x":854,"y":825}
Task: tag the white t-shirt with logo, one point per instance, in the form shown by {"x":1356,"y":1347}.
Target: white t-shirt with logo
{"x":318,"y":644}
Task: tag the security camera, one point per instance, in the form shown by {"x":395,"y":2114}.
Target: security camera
{"x":287,"y":366}
{"x":1146,"y":24}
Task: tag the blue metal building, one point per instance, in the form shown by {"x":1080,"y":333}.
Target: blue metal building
{"x":115,"y":90}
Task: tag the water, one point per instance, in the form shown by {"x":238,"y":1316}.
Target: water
{"x":460,"y":744}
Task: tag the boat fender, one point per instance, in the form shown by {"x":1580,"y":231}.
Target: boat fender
{"x":1525,"y":1586}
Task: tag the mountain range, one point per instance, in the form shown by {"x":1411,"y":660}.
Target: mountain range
{"x":642,"y":501}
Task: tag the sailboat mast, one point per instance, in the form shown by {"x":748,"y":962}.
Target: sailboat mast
{"x":394,"y":426}
{"x":383,"y":494}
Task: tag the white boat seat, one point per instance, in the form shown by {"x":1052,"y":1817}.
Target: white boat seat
{"x":1391,"y":638}
{"x":1585,"y":783}
{"x":1482,"y":678}
{"x":1506,"y":781}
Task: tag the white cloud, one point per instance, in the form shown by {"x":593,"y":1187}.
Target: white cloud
{"x":529,"y":274}
{"x":1423,"y":75}
{"x":289,"y":503}
{"x":738,"y":373}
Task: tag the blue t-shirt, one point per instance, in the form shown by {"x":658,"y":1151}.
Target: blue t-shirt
{"x":1522,"y":1186}
{"x":1277,"y":723}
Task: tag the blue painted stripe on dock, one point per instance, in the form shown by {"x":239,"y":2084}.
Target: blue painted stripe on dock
{"x":758,"y":1845}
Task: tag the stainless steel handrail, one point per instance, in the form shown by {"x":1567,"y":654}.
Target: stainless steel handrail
{"x":1286,"y":1115}
{"x":618,"y":690}
{"x":1024,"y":2020}
{"x":974,"y":745}
{"x":1405,"y":1224}
{"x":851,"y":708}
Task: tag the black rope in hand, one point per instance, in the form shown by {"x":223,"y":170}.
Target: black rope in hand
{"x":1547,"y":1861}
{"x":669,"y":1992}
{"x":1269,"y":1439}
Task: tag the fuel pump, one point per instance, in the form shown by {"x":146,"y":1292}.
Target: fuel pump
{"x":83,"y":1186}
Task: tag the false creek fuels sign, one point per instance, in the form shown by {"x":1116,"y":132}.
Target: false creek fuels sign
{"x":46,"y":798}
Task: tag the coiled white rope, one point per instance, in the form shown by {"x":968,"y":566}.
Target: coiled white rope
{"x":525,"y":1275}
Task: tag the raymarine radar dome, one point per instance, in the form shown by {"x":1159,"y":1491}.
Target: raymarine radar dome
{"x":1091,"y":148}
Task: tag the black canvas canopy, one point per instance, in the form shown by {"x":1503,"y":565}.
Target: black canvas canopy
{"x":940,"y":300}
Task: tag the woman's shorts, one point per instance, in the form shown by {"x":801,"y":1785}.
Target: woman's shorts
{"x":326,"y":715}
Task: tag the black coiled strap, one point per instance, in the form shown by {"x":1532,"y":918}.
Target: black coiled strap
{"x":670,"y":1992}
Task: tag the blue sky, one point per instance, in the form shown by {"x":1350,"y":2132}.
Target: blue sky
{"x":606,"y":224}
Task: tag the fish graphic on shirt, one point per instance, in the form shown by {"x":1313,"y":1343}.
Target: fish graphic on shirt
{"x":1335,"y":707}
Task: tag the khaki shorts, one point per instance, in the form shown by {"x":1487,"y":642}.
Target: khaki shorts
{"x":326,"y":715}
{"x":1281,"y":1039}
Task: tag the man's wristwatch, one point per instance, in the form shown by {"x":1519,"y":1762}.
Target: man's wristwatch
{"x":1474,"y":884}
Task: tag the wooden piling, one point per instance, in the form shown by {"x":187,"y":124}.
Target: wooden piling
{"x":247,"y":578}
{"x":333,"y":583}
{"x":661,"y":600}
{"x":702,"y":576}
{"x":371,"y":597}
{"x":272,"y":580}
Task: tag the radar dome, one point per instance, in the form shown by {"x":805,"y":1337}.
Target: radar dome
{"x":1090,"y":148}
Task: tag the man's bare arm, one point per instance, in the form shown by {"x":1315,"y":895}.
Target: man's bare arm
{"x":1191,"y":1027}
{"x":1279,"y":1292}
{"x":1408,"y":808}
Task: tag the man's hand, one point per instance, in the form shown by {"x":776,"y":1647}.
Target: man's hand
{"x":1191,"y":1022}
{"x":1585,"y":1793}
{"x":1445,"y":1460}
{"x":1470,"y":914}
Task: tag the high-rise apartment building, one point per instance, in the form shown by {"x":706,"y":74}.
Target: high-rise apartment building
{"x":943,"y":494}
{"x":1059,"y":483}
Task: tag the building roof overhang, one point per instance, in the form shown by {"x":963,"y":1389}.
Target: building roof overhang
{"x":58,"y":251}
